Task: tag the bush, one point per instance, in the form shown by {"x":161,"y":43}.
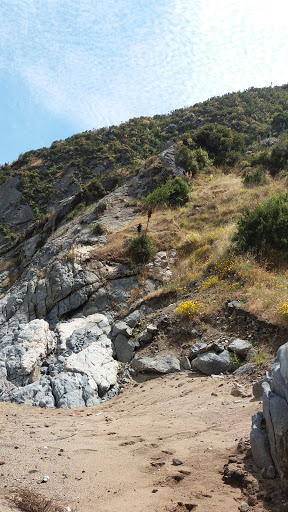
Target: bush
{"x":173,"y":193}
{"x":193,"y":160}
{"x":97,"y":229}
{"x":224,"y":145}
{"x":265,"y":227}
{"x":188,"y":308}
{"x":77,"y":211}
{"x":141,"y":248}
{"x":254,"y":178}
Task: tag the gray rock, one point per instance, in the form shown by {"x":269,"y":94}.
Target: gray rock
{"x":275,"y":410}
{"x":198,"y":348}
{"x":185,"y":363}
{"x":244,"y":507}
{"x":240,"y":347}
{"x":218,"y":346}
{"x":145,"y":336}
{"x":152,"y":329}
{"x":259,"y":443}
{"x":245,"y":368}
{"x":34,"y":394}
{"x":211,"y":363}
{"x":238,"y":390}
{"x":121,"y":328}
{"x":257,"y":389}
{"x":158,"y":364}
{"x":124,"y":348}
{"x":133,"y":318}
{"x":73,"y":390}
{"x":234,"y":304}
{"x":282,"y":357}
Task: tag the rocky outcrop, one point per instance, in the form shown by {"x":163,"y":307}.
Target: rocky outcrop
{"x":269,"y":435}
{"x":219,"y":357}
{"x":151,"y":176}
{"x":69,"y":367}
{"x":60,"y":340}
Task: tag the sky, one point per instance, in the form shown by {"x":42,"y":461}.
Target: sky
{"x":67,"y":66}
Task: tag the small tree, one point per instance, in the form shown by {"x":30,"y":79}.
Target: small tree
{"x":141,"y":248}
{"x":265,"y":227}
{"x":173,"y":193}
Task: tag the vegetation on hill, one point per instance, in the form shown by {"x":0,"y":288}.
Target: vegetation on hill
{"x":222,"y":127}
{"x":234,"y":150}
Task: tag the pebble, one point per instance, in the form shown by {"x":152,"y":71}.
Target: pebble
{"x":244,"y":507}
{"x":177,"y":462}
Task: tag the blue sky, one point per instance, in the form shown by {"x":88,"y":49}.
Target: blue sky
{"x":72,"y":65}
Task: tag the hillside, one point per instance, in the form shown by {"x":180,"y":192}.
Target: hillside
{"x":119,"y":257}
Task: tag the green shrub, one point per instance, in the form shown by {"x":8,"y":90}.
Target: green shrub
{"x":77,"y":211}
{"x":254,"y":178}
{"x":97,"y":229}
{"x":173,"y":193}
{"x":193,"y":160}
{"x":141,"y":248}
{"x":265,"y":227}
{"x":224,"y":145}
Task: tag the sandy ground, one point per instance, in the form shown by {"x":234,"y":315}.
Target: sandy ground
{"x":113,"y":456}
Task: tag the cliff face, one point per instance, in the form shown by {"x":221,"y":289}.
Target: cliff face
{"x":60,"y":302}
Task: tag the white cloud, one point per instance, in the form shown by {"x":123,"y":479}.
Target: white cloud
{"x":97,"y":63}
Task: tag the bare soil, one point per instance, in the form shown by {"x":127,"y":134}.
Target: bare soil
{"x":119,"y":455}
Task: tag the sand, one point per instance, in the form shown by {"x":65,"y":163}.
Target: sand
{"x":118,"y":455}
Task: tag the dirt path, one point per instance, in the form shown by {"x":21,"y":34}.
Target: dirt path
{"x":113,"y":456}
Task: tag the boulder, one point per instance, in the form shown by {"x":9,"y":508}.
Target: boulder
{"x":125,"y":348}
{"x":211,"y":363}
{"x":158,"y":364}
{"x":198,"y":348}
{"x":245,"y":368}
{"x":259,"y":443}
{"x":74,"y":390}
{"x":275,"y":410}
{"x":121,"y":328}
{"x":133,"y":318}
{"x":240,"y":347}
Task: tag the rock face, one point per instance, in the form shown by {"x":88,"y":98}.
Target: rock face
{"x":270,"y":439}
{"x":60,"y":338}
{"x":75,"y":363}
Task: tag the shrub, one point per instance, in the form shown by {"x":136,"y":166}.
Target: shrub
{"x":254,"y":178}
{"x":97,"y":229}
{"x":193,"y":160}
{"x":77,"y":211}
{"x":173,"y":193}
{"x":265,"y":227}
{"x":222,"y":144}
{"x":189,"y":308}
{"x":141,"y":248}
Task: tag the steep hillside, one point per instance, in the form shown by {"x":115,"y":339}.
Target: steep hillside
{"x":119,"y":256}
{"x":34,"y":186}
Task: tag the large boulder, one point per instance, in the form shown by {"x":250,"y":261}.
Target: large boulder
{"x":260,"y":445}
{"x":211,"y":363}
{"x":275,"y":414}
{"x":158,"y":364}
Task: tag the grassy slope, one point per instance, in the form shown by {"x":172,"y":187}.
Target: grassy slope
{"x":202,"y":230}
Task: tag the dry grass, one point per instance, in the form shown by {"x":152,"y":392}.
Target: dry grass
{"x":29,"y":501}
{"x":203,"y":237}
{"x":202,"y":232}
